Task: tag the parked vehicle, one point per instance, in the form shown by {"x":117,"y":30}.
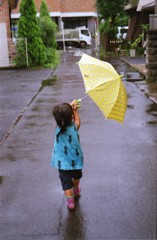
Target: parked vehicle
{"x":79,"y":37}
{"x":122,"y":32}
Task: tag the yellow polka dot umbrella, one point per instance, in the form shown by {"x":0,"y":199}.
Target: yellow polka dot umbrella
{"x":104,"y":85}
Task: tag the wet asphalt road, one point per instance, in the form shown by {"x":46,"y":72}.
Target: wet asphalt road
{"x":118,"y":198}
{"x":17,"y":89}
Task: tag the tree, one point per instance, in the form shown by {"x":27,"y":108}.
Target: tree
{"x":109,"y":14}
{"x":110,"y":9}
{"x":44,"y":12}
{"x":48,"y":28}
{"x":28,"y":28}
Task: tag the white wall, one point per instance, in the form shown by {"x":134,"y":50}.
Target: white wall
{"x":4,"y":53}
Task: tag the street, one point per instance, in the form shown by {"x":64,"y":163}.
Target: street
{"x":118,"y":188}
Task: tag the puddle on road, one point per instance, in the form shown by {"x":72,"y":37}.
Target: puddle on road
{"x":150,"y":124}
{"x":45,"y":83}
{"x":70,"y":221}
{"x":49,"y":82}
{"x":129,"y":95}
{"x":133,"y":76}
{"x":30,"y":117}
{"x":153,"y":123}
{"x":11,"y":157}
{"x":31,"y":124}
{"x":152,"y":109}
{"x":35,"y":109}
{"x":132,"y":106}
{"x":1,"y":179}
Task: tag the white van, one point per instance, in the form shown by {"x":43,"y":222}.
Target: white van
{"x":79,"y":37}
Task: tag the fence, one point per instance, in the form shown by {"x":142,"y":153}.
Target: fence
{"x":8,"y":51}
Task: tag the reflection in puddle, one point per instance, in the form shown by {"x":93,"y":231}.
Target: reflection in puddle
{"x":31,"y":124}
{"x":30,"y":117}
{"x":151,"y":122}
{"x":49,"y":82}
{"x":11,"y":157}
{"x":129,"y":96}
{"x":132,"y":106}
{"x":36,"y":108}
{"x":1,"y":179}
{"x":74,"y":225}
{"x":152,"y":109}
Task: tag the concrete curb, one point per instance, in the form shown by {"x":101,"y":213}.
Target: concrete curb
{"x":152,"y":95}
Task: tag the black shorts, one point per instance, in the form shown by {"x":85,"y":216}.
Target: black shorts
{"x":67,"y":176}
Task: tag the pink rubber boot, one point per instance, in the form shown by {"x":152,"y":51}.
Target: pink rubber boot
{"x":70,"y":202}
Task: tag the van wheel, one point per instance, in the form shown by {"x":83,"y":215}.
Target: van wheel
{"x":83,"y":44}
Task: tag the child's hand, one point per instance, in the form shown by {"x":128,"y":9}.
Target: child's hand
{"x":75,"y":104}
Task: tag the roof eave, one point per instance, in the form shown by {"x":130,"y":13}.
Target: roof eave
{"x":13,"y":3}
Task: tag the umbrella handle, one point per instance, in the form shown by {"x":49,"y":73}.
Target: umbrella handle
{"x":79,"y":100}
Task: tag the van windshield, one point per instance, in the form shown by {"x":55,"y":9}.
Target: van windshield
{"x":85,"y":32}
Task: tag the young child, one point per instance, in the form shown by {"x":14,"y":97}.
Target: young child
{"x":67,"y":154}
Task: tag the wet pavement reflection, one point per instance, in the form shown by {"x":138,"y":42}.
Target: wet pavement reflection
{"x":73,"y":224}
{"x":1,"y":179}
{"x":152,"y":109}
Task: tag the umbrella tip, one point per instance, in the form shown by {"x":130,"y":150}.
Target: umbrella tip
{"x":86,"y":75}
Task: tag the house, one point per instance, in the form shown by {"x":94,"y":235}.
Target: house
{"x":5,"y":33}
{"x":72,"y":13}
{"x":5,"y":10}
{"x":139,"y":12}
{"x":145,"y":12}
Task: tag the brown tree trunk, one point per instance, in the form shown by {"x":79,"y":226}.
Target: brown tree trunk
{"x":105,"y":41}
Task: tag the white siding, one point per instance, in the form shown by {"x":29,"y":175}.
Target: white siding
{"x":4,"y":53}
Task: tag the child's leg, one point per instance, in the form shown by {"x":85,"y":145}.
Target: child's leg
{"x":77,"y":175}
{"x":76,"y":182}
{"x":67,"y":185}
{"x":76,"y":188}
{"x":68,"y":193}
{"x":70,"y":198}
{"x":66,"y":181}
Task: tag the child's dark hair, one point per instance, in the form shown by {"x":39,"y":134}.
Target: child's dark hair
{"x":63,"y":114}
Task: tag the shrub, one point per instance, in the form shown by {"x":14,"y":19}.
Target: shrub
{"x":28,"y":28}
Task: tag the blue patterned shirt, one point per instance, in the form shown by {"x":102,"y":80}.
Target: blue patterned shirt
{"x":67,"y":153}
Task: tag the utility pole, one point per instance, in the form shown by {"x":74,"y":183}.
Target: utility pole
{"x":62,"y":27}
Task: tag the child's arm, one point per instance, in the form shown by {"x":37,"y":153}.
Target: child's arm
{"x":77,"y":120}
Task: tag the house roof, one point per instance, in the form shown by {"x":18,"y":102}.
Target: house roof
{"x":131,"y":5}
{"x":144,"y":4}
{"x":13,"y":3}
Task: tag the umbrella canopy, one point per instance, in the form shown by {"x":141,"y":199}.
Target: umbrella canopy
{"x":104,"y":85}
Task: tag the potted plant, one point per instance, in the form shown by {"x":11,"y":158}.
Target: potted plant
{"x":134,"y":45}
